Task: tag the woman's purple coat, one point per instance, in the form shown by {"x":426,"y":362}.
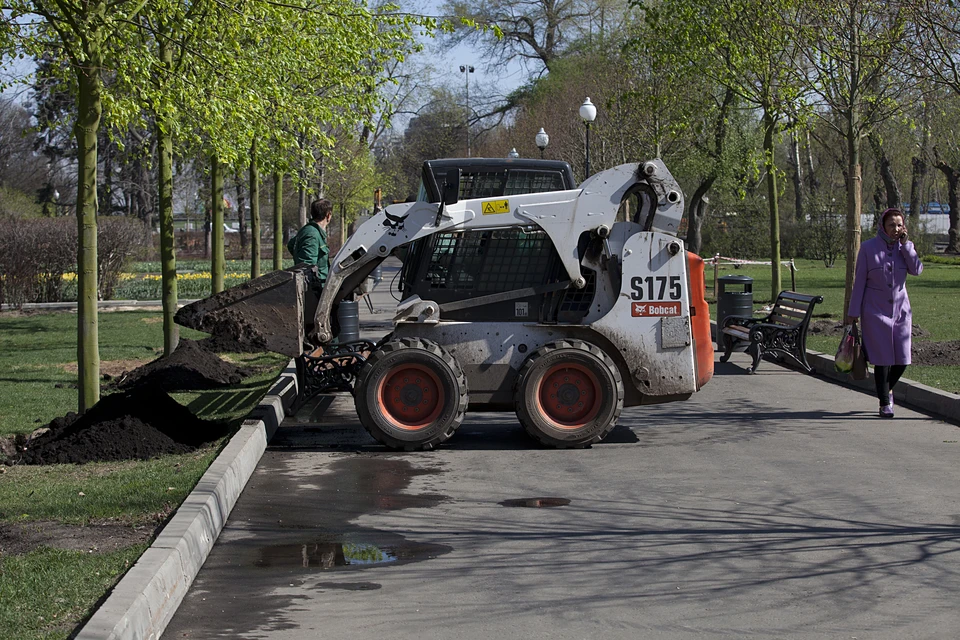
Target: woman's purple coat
{"x":880,"y":299}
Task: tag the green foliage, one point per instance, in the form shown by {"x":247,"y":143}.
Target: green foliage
{"x":17,"y":203}
{"x":941,"y":259}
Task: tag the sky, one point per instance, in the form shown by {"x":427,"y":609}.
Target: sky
{"x":484,"y":82}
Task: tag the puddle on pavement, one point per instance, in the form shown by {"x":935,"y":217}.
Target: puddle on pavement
{"x":536,"y":503}
{"x":349,"y":586}
{"x":339,"y":555}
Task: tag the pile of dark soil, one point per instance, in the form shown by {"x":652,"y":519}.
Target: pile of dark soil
{"x":833,"y":328}
{"x":825,"y":328}
{"x":936,"y":353}
{"x":228,"y":344}
{"x":190,"y":367}
{"x":139,"y":424}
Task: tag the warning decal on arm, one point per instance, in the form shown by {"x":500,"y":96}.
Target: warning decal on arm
{"x":496,"y":206}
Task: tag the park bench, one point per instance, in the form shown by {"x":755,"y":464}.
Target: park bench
{"x":783,"y":332}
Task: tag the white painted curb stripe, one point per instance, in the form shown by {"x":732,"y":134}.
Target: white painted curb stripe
{"x":145,"y":599}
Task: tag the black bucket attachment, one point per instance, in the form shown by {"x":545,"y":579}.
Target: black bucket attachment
{"x":271,"y":313}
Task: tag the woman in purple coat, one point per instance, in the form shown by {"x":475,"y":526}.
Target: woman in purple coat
{"x":880,"y":299}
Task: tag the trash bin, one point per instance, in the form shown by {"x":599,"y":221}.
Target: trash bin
{"x":348,"y":315}
{"x":734,"y":297}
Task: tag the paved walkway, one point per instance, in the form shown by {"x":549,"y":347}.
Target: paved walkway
{"x":772,"y":505}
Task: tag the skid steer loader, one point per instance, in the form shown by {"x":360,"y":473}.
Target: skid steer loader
{"x":519,"y":293}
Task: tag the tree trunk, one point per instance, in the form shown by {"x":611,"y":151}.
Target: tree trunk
{"x":879,"y":203}
{"x":277,"y":221}
{"x":207,"y":224}
{"x":769,"y":132}
{"x":812,"y":183}
{"x":854,"y":206}
{"x":916,"y":185}
{"x":241,"y":217}
{"x":217,"y":261}
{"x":854,"y":169}
{"x":890,"y":186}
{"x":919,"y":164}
{"x":302,"y":200}
{"x":953,"y":185}
{"x":254,"y":213}
{"x":799,"y":213}
{"x":168,"y":257}
{"x":696,"y":212}
{"x":89,"y":109}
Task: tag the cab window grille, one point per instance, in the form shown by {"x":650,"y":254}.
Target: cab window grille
{"x":490,"y":261}
{"x":483,"y":184}
{"x":576,"y":302}
{"x":533,"y":182}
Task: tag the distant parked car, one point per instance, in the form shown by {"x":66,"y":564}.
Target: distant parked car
{"x":933,"y":208}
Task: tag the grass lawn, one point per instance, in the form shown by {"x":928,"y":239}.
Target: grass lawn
{"x":934,"y":297}
{"x":46,"y":592}
{"x":43,"y":594}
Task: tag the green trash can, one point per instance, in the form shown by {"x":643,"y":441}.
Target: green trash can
{"x":734,"y":297}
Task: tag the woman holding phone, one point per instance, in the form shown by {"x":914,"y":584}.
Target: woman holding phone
{"x":879,"y":299}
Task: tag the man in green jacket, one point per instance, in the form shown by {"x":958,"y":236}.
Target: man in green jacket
{"x":309,"y":246}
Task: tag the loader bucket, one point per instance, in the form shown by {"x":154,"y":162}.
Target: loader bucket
{"x":267,"y":313}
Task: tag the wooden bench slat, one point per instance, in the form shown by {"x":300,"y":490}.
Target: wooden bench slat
{"x":789,"y":322}
{"x":799,"y":312}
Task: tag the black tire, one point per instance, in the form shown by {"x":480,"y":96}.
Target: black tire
{"x":569,"y":394}
{"x":427,"y":403}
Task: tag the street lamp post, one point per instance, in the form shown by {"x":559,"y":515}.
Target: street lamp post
{"x":542,"y":141}
{"x":589,"y":113}
{"x":466,"y":70}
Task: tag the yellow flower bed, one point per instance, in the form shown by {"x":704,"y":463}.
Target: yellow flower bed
{"x":72,"y":277}
{"x":197,"y":276}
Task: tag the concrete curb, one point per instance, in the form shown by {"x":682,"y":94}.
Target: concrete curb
{"x":909,"y":393}
{"x":145,"y":599}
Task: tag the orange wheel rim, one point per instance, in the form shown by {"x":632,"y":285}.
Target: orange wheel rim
{"x":410,"y":396}
{"x":569,"y":396}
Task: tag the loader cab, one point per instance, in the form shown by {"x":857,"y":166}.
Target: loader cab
{"x":494,"y":177}
{"x":455,"y":266}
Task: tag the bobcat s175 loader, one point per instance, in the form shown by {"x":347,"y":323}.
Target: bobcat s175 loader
{"x":564,"y":306}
